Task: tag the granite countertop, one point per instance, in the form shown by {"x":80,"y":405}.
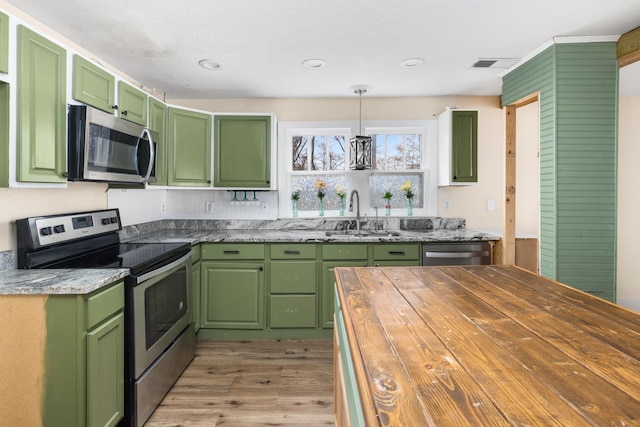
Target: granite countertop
{"x":83,"y":281}
{"x":308,"y":236}
{"x":58,"y":281}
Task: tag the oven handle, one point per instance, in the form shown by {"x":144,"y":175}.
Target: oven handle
{"x":164,"y":269}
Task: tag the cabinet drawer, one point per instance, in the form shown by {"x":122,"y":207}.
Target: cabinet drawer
{"x":292,"y":311}
{"x":229,"y":251}
{"x":293,"y":277}
{"x":396,"y":252}
{"x":293,"y":251}
{"x":346,"y":251}
{"x":104,"y":303}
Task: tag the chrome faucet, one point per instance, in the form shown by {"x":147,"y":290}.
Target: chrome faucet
{"x":357,"y":207}
{"x":375,"y":208}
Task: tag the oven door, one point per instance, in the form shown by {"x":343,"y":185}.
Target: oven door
{"x":161,"y":311}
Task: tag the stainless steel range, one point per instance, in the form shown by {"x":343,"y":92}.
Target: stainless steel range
{"x":159,"y":334}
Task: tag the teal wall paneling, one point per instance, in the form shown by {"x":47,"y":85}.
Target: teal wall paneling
{"x":578,"y":94}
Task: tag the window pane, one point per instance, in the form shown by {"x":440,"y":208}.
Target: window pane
{"x":397,"y":151}
{"x":319,"y":153}
{"x":336,"y":144}
{"x":309,"y":195}
{"x":380,"y":183}
{"x":413,"y":144}
{"x":300,"y":153}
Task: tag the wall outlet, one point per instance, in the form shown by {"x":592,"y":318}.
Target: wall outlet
{"x":446,"y":205}
{"x":491,"y":205}
{"x":208,"y":207}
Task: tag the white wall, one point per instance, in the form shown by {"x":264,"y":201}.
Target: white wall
{"x":16,"y":203}
{"x":528,"y":170}
{"x":628,"y":280}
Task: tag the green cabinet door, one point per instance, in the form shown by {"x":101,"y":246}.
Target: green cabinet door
{"x":158,"y":124}
{"x":195,"y":295}
{"x":93,"y":85}
{"x":4,"y":43}
{"x":292,"y":311}
{"x":232,"y":295}
{"x":4,"y":134}
{"x":132,"y":104}
{"x":390,"y":254}
{"x":105,"y":373}
{"x":464,"y":146}
{"x":328,"y":283}
{"x":189,"y":148}
{"x":42,"y":109}
{"x":242,"y":151}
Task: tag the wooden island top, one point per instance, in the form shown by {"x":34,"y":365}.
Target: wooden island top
{"x":487,"y":346}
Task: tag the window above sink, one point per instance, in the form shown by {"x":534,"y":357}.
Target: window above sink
{"x":403,"y":151}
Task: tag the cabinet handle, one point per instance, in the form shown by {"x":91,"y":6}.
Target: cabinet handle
{"x":125,"y":112}
{"x":396,"y":252}
{"x":115,"y":107}
{"x":231,"y":252}
{"x":292,"y":252}
{"x":261,"y":268}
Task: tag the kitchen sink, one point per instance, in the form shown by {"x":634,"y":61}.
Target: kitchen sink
{"x":362,"y":233}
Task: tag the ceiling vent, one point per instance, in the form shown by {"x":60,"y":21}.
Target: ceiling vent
{"x":495,"y":63}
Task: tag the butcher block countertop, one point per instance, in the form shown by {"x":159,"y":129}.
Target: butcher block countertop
{"x":487,"y":346}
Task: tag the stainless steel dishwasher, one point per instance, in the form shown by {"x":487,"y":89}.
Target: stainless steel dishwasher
{"x":458,"y":253}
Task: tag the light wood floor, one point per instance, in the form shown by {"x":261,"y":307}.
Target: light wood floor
{"x":252,"y":383}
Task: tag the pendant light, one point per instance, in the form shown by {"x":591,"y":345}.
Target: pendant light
{"x":360,"y":146}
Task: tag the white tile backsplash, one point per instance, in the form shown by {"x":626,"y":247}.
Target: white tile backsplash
{"x":140,"y":206}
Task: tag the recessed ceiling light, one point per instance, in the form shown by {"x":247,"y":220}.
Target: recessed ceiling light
{"x":314,"y":64}
{"x":209,"y":64}
{"x":412,"y":63}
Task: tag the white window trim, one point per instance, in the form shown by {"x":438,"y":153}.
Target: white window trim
{"x":359,"y":179}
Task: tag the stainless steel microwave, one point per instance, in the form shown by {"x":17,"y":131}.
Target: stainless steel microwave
{"x":103,"y":147}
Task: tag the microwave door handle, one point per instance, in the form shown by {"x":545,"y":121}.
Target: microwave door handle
{"x":152,"y":153}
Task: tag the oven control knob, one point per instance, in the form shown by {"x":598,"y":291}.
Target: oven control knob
{"x":113,"y":220}
{"x":58,"y":228}
{"x":105,"y":221}
{"x":46,"y":231}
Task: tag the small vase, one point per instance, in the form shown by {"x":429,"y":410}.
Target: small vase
{"x":321,"y":207}
{"x":294,"y":205}
{"x":387,"y":209}
{"x":409,"y":207}
{"x":342,"y":203}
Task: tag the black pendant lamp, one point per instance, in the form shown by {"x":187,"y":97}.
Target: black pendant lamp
{"x":360,"y":146}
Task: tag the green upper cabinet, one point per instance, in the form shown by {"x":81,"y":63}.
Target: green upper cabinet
{"x":92,"y":85}
{"x":4,"y":43}
{"x":158,"y":123}
{"x":242,"y":151}
{"x":189,"y":148}
{"x":42,"y":109}
{"x":132,"y":104}
{"x":458,"y":147}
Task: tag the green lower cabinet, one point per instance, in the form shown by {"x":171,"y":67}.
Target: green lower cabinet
{"x":105,"y":361}
{"x":84,"y":359}
{"x":292,"y":311}
{"x":42,"y":109}
{"x":232,"y":295}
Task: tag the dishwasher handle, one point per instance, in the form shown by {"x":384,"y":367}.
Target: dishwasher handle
{"x":454,"y":254}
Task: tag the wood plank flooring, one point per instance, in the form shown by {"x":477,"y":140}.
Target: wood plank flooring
{"x":252,"y":383}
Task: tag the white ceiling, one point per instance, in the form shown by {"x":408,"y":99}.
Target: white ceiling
{"x":261,"y":44}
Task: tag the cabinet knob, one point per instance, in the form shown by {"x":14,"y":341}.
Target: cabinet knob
{"x":124,"y":113}
{"x":115,"y":107}
{"x":260,"y":268}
